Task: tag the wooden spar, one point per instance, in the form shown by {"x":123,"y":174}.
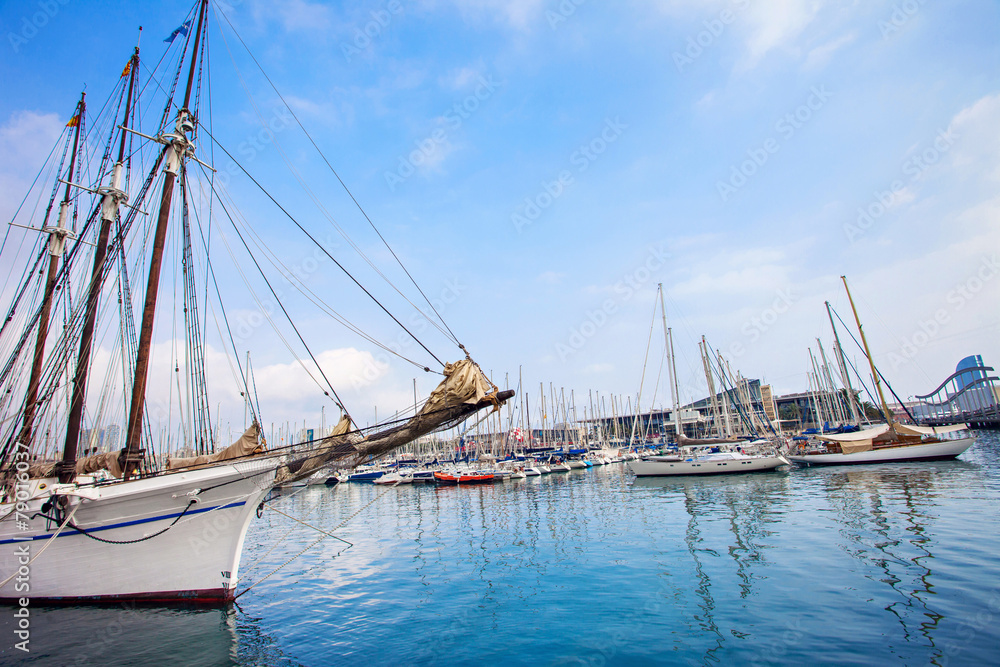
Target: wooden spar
{"x":57,"y":238}
{"x":871,"y":362}
{"x":176,"y":150}
{"x":113,"y":197}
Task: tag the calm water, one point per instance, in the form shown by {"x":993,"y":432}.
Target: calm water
{"x":872,"y":565}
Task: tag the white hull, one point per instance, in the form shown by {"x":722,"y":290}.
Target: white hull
{"x":653,"y":468}
{"x":197,"y":558}
{"x":930,"y":451}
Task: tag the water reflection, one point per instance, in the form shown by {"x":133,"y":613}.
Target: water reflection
{"x":849,"y":564}
{"x":133,"y":635}
{"x":887,"y":518}
{"x":724,"y":515}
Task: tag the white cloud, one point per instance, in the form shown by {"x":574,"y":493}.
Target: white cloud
{"x":978,"y":143}
{"x":820,"y":56}
{"x":776,"y":24}
{"x":551,"y":277}
{"x":294,"y":15}
{"x":519,"y":14}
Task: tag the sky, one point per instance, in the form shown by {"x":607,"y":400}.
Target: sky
{"x":539,"y":166}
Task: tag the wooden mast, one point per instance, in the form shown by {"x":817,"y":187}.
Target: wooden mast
{"x":57,"y":245}
{"x":878,"y":385}
{"x":176,"y":149}
{"x":114,"y":196}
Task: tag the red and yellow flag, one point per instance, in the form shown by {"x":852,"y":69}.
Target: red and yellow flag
{"x":74,"y":121}
{"x":128,"y":68}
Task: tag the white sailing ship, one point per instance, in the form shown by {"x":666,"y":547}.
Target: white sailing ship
{"x":132,"y":523}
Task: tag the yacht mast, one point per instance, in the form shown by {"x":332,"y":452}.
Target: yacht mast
{"x":716,"y":417}
{"x":839,"y":353}
{"x":177,"y":147}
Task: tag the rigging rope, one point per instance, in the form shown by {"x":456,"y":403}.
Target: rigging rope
{"x":454,"y":338}
{"x":325,"y":535}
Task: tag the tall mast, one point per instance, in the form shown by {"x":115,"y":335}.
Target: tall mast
{"x":114,"y":196}
{"x":839,"y":354}
{"x":177,"y":147}
{"x":57,"y":245}
{"x":871,"y":362}
{"x":671,"y":366}
{"x":716,"y":417}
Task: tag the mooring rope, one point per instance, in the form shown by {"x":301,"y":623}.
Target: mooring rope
{"x":47,"y":543}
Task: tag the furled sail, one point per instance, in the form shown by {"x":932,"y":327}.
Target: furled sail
{"x":109,"y":461}
{"x":247,"y":445}
{"x":464,"y":391}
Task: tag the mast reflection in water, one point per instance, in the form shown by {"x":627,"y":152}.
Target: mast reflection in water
{"x":866,"y":565}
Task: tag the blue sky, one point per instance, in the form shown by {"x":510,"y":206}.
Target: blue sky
{"x":540,"y":166}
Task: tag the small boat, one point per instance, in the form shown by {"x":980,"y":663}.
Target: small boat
{"x":455,"y":478}
{"x":559,"y":467}
{"x":423,"y":476}
{"x":532,"y":471}
{"x":365,"y":476}
{"x":394,"y":478}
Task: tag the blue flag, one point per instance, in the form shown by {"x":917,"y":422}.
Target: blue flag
{"x":183,"y":30}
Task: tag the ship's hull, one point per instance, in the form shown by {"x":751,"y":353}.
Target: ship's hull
{"x":653,"y":468}
{"x":929,"y":451}
{"x":195,"y":559}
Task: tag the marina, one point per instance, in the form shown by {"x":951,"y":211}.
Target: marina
{"x":598,"y":567}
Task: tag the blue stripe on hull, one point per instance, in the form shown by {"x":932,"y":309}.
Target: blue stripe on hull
{"x":126,"y":523}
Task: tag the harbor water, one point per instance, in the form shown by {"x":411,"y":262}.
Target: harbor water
{"x":880,"y":564}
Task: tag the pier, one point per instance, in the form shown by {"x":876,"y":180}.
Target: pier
{"x":971,"y":396}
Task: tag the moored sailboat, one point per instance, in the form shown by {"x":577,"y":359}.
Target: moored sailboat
{"x":702,"y":457}
{"x":886,"y":443}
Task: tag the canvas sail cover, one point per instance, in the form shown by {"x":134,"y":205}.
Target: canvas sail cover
{"x":85,"y":466}
{"x":857,"y":437}
{"x":856,"y":446}
{"x":247,"y":445}
{"x":929,"y":430}
{"x":463,"y":391}
{"x":463,"y":383}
